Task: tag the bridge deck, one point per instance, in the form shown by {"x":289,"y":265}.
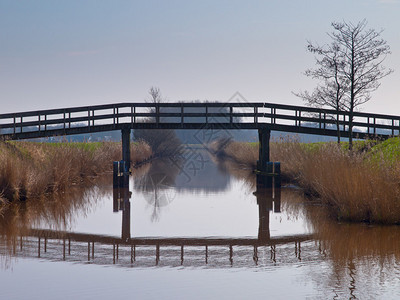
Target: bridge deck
{"x":278,"y":117}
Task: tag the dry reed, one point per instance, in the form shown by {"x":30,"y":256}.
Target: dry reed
{"x":30,"y":170}
{"x":354,"y":187}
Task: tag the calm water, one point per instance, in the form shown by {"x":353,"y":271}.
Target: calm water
{"x":194,"y":229}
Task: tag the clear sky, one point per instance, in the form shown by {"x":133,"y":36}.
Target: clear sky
{"x":73,"y":53}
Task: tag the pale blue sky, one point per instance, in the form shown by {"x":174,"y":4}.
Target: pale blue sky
{"x":72,"y":53}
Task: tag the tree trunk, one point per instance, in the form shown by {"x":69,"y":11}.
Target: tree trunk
{"x":351,"y":131}
{"x":338,"y":127}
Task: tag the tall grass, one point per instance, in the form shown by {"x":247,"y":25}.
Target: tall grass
{"x":29,"y":170}
{"x":357,"y":186}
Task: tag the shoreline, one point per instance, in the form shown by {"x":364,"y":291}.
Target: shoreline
{"x":356,"y":186}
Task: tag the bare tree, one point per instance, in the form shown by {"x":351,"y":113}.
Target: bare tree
{"x":163,"y":142}
{"x":331,"y":91}
{"x":155,"y":95}
{"x":350,"y":68}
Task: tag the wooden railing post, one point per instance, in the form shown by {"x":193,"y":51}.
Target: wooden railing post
{"x":64,"y":120}
{"x":182,"y":117}
{"x":157,"y":113}
{"x":132,"y":115}
{"x":392,"y":127}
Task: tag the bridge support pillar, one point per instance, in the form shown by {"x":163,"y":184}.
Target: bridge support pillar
{"x":263,"y":165}
{"x":263,"y":148}
{"x":126,"y":149}
{"x":126,"y":216}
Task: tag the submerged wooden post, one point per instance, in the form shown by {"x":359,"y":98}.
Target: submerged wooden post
{"x":264,"y":202}
{"x":120,"y":175}
{"x":277,"y":176}
{"x":126,"y":215}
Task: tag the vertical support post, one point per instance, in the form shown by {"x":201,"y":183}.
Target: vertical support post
{"x":116,"y":178}
{"x":320,"y":125}
{"x":126,"y":150}
{"x":132,"y":116}
{"x":157,"y":253}
{"x":157,"y":113}
{"x":299,"y":118}
{"x":126,"y":215}
{"x":114,"y":253}
{"x":277,"y":176}
{"x":263,"y":164}
{"x":63,"y":249}
{"x":182,"y":118}
{"x":255,"y":254}
{"x":392,"y":127}
{"x":64,"y":120}
{"x":181,"y":254}
{"x":264,"y":202}
{"x":263,"y":148}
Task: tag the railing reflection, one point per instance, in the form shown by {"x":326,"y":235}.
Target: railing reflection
{"x":78,"y":247}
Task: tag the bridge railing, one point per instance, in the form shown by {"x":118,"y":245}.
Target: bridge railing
{"x":127,"y":113}
{"x":275,"y":116}
{"x":326,"y":119}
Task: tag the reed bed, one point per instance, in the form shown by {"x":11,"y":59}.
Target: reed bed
{"x":30,"y":170}
{"x":359,"y":186}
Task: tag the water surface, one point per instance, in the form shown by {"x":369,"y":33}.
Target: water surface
{"x":193,"y":228}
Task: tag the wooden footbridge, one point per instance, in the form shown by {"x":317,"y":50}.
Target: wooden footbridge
{"x":208,"y":116}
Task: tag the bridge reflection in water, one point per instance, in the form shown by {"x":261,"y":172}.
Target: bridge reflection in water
{"x":147,"y":252}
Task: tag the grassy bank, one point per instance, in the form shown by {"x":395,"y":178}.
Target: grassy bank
{"x":31,"y":170}
{"x":360,"y":186}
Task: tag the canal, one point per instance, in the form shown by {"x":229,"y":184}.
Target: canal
{"x":196,"y":228}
